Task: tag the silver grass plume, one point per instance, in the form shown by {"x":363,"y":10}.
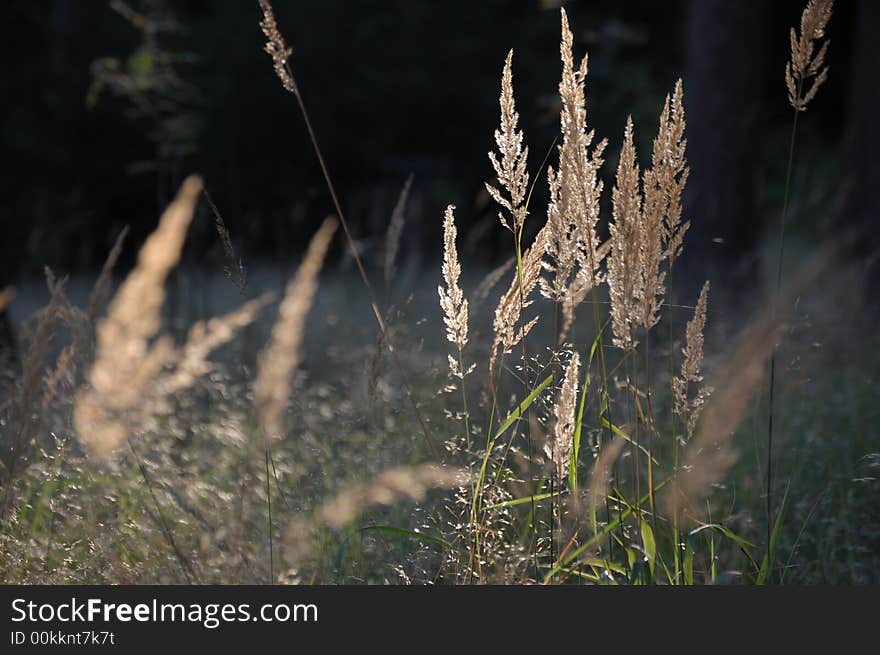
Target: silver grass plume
{"x":282,"y":355}
{"x":575,"y":188}
{"x":507,"y":332}
{"x":805,"y":63}
{"x":136,"y":369}
{"x":711,"y":451}
{"x":558,"y":448}
{"x":625,"y":260}
{"x":685,"y":407}
{"x":662,"y":186}
{"x":452,"y":300}
{"x":670,"y":171}
{"x":395,"y":229}
{"x":127,"y":359}
{"x":488,"y":282}
{"x":511,"y":168}
{"x":276,"y":47}
{"x":392,"y":486}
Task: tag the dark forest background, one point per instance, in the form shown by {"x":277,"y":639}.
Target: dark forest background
{"x":108,"y":105}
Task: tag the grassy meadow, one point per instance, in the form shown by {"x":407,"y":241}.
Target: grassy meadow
{"x":589,"y":412}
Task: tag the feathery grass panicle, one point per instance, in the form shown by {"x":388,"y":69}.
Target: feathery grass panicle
{"x":392,"y":486}
{"x":662,"y":185}
{"x":452,"y":300}
{"x":234,"y":268}
{"x":625,"y":260}
{"x":578,"y":166}
{"x":489,"y":281}
{"x":51,"y":382}
{"x":710,"y":453}
{"x":806,"y":63}
{"x":395,"y":230}
{"x":688,"y":409}
{"x":506,"y":332}
{"x":562,"y":245}
{"x":575,"y":190}
{"x":558,"y":447}
{"x":282,"y":354}
{"x":79,"y":323}
{"x":206,"y":336}
{"x":127,"y":359}
{"x":511,"y":169}
{"x":276,"y":47}
{"x":33,"y":373}
{"x":670,"y":171}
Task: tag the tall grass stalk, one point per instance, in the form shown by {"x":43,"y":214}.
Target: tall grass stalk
{"x":779,"y":265}
{"x":278,"y":50}
{"x":805,"y":63}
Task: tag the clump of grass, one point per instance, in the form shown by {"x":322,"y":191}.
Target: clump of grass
{"x":135,"y":372}
{"x":647,"y":231}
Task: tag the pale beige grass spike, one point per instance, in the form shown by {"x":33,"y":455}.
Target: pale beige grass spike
{"x":806,"y":63}
{"x":282,"y":355}
{"x":127,"y":360}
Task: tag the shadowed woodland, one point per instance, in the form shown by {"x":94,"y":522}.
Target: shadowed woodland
{"x":659,"y":362}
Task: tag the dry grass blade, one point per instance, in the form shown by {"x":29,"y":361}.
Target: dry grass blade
{"x":710,"y":454}
{"x":206,"y":336}
{"x":390,"y":487}
{"x":282,"y":354}
{"x":478,"y":297}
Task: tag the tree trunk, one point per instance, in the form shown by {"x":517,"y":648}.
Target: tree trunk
{"x":860,"y":218}
{"x":726,"y":65}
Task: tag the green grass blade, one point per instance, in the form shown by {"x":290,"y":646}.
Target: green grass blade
{"x":524,"y":500}
{"x":616,"y":430}
{"x":576,"y":438}
{"x":688,"y":561}
{"x":770,"y":555}
{"x":516,"y":414}
{"x":649,"y":545}
{"x":592,"y":541}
